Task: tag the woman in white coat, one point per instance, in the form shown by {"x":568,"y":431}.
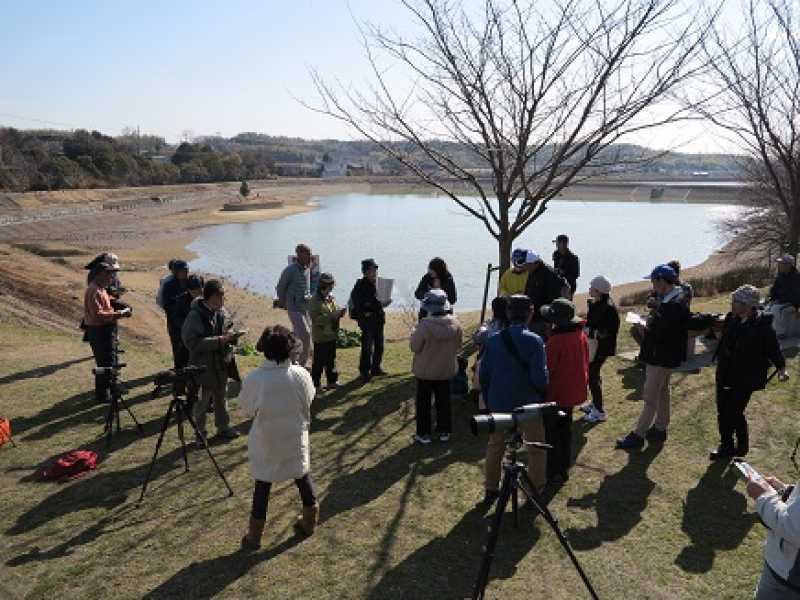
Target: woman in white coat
{"x":278,"y":396}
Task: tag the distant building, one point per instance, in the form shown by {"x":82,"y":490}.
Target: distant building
{"x":356,"y":170}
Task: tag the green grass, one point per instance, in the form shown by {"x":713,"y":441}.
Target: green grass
{"x":398,"y":520}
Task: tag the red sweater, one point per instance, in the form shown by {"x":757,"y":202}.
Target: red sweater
{"x":568,"y":365}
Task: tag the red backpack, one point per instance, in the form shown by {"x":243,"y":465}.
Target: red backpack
{"x":69,"y":466}
{"x":5,"y":432}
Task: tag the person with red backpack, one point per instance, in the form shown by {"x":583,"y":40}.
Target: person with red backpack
{"x":568,"y":365}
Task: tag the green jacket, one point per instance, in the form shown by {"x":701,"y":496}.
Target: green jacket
{"x":324,"y":319}
{"x":201,"y":335}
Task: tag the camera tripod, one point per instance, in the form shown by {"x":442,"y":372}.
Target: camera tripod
{"x":515,"y":478}
{"x":116,"y":389}
{"x":182,"y":408}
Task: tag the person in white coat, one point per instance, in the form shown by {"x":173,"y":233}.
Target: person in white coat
{"x":778,"y":507}
{"x":278,"y":397}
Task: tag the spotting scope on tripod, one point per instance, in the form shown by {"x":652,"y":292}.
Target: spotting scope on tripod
{"x":515,"y":479}
{"x":117,"y":391}
{"x":181,"y":407}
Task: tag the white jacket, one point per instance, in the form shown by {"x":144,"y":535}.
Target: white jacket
{"x":783,"y":540}
{"x":278,"y":397}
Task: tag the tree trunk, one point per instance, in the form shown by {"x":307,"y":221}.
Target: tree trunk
{"x":793,"y":240}
{"x":504,"y":251}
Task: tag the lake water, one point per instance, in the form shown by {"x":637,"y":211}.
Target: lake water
{"x":620,"y":240}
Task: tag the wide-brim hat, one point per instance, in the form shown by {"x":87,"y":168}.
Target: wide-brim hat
{"x":435,"y":301}
{"x":561,"y":312}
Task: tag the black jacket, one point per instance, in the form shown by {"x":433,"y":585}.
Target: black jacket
{"x":364,"y":304}
{"x":569,"y":265}
{"x":544,"y":286}
{"x":177,"y":303}
{"x":666,"y":337}
{"x":746,"y":350}
{"x":786,"y":288}
{"x":426,"y":285}
{"x":603,"y":323}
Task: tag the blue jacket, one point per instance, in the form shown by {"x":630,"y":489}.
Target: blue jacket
{"x":504,"y":385}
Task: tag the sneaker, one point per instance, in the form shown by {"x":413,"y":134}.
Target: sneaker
{"x":227,"y":434}
{"x":587,"y":407}
{"x":630,"y":442}
{"x":333,"y":386}
{"x":654,"y":434}
{"x":596,"y":416}
{"x":444,"y":437}
{"x":378,"y":372}
{"x":365,"y":378}
{"x":320,"y":390}
{"x":422,"y":439}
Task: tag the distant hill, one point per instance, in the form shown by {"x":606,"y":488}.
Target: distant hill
{"x":52,"y":159}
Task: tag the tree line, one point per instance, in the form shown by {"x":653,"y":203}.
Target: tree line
{"x":53,"y":160}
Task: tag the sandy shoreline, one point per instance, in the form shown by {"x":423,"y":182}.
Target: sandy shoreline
{"x":146,"y":238}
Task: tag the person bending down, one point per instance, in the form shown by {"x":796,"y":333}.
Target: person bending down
{"x":278,"y":396}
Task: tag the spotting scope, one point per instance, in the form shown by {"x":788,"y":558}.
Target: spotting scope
{"x":511,"y":421}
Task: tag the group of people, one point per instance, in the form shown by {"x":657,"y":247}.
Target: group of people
{"x":533,"y":349}
{"x":201,"y":333}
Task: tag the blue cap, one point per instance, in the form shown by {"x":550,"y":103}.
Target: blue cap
{"x":664,"y":272}
{"x":518,"y":257}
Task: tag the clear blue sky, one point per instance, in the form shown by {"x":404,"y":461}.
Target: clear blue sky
{"x":205,"y":66}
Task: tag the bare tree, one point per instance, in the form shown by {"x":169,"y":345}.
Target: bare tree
{"x":535,"y":93}
{"x":753,"y":92}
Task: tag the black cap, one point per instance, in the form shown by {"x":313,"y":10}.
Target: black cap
{"x":518,"y":307}
{"x":195,"y":282}
{"x":326,"y":279}
{"x":561,"y":237}
{"x":367,"y":264}
{"x":179,"y":265}
{"x":212,"y":288}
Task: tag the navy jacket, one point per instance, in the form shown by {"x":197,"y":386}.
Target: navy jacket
{"x":504,"y":385}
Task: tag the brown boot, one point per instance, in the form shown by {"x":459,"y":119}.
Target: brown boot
{"x":307,"y":522}
{"x":252,"y":541}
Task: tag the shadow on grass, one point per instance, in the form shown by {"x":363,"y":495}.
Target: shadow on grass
{"x":206,"y":579}
{"x":619,"y":502}
{"x":633,"y":380}
{"x":715,"y":518}
{"x":42,"y":371}
{"x":446,"y":567}
{"x":107,"y":490}
{"x":74,"y":410}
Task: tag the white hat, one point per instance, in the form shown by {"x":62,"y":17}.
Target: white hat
{"x":532,"y":257}
{"x":601,"y":284}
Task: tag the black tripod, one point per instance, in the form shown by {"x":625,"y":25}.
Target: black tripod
{"x":182,"y":408}
{"x":117,"y":390}
{"x":515,"y":478}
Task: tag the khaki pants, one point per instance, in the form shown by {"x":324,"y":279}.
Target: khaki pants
{"x":208,"y":395}
{"x":301,"y":327}
{"x":532,"y":431}
{"x":656,"y":400}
